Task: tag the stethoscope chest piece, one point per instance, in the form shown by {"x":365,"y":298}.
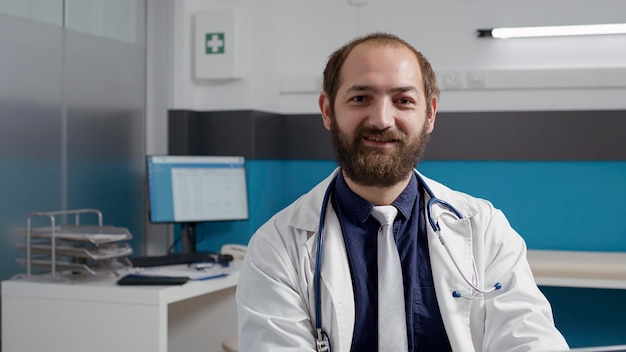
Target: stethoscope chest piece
{"x":322,"y":343}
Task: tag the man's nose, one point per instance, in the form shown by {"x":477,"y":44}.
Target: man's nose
{"x":382,"y":115}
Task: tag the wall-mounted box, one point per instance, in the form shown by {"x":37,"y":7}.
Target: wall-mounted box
{"x":218,"y":44}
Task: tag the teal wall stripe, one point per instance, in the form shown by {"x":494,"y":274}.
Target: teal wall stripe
{"x":568,"y":205}
{"x":553,"y":205}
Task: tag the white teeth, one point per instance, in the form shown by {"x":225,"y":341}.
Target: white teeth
{"x":379,"y":139}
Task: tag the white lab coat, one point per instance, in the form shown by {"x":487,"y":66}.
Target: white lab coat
{"x":275,"y":294}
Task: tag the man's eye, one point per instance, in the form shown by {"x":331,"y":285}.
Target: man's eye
{"x":358,"y":99}
{"x":404,"y":101}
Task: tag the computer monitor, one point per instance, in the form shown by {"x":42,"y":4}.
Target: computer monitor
{"x":190,"y":189}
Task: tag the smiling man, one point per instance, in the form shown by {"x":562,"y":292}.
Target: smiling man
{"x":314,"y":276}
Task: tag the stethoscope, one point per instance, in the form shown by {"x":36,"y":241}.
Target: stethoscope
{"x":322,"y":341}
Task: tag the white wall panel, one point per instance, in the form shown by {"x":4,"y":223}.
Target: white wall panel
{"x":293,"y":38}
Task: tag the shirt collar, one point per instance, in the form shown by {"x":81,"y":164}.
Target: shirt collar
{"x":361,"y":208}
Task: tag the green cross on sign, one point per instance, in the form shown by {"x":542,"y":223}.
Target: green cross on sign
{"x":214,"y":43}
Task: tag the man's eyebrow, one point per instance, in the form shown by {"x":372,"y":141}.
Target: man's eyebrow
{"x":404,"y":89}
{"x":362,"y":88}
{"x":368,"y":88}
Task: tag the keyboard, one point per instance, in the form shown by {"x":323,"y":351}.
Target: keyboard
{"x":180,"y":258}
{"x":133,"y":279}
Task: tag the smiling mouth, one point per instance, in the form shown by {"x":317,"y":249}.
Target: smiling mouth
{"x":380,"y":139}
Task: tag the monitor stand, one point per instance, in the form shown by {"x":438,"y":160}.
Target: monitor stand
{"x":188,"y":237}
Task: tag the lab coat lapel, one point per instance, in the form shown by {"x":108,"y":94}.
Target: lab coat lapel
{"x":337,"y":294}
{"x":454,"y":311}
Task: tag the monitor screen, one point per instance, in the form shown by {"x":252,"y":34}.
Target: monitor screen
{"x":196,"y":188}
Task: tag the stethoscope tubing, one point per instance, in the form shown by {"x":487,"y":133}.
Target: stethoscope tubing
{"x":318,"y":260}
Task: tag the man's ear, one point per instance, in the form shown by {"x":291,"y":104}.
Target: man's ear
{"x":432,"y":114}
{"x":325,"y":109}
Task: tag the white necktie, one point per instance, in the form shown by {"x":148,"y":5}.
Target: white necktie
{"x":392,"y":335}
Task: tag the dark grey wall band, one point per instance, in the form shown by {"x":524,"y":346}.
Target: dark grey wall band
{"x":524,"y":135}
{"x":252,"y":134}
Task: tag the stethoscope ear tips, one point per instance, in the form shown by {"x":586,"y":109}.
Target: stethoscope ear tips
{"x":457,"y":294}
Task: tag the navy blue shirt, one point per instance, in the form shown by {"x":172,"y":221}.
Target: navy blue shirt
{"x":424,"y":324}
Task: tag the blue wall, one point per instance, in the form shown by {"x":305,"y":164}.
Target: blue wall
{"x":553,"y":205}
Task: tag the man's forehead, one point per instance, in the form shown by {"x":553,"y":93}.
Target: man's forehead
{"x":363,"y":60}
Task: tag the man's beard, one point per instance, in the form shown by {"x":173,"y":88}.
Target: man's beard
{"x":377,"y":167}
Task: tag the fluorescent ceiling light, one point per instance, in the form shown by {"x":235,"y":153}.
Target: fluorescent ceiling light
{"x":552,"y":31}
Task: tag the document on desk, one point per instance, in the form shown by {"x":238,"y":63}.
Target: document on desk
{"x":193,"y":272}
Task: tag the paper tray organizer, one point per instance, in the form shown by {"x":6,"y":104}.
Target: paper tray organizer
{"x":69,"y":251}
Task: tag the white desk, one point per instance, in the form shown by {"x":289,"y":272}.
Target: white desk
{"x":605,"y":270}
{"x":97,"y":315}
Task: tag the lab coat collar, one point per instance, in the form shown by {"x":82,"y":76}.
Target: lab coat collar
{"x":306,"y":216}
{"x":453,"y":197}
